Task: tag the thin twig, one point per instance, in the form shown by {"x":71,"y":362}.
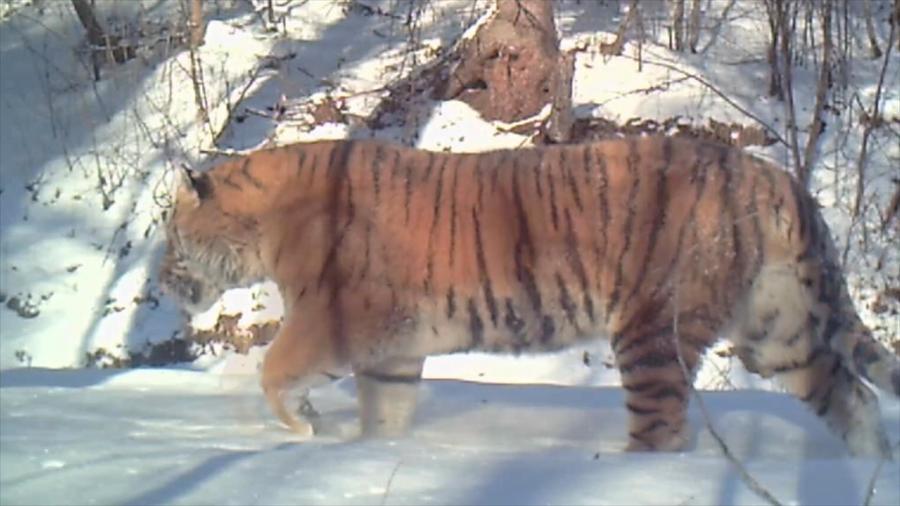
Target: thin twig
{"x":745,"y":475}
{"x":870,"y":125}
{"x":870,"y":488}
{"x":387,"y":487}
{"x":721,"y":95}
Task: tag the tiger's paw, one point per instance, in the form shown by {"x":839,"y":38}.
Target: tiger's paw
{"x":672,"y":443}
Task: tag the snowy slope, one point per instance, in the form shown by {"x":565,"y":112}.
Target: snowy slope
{"x":189,"y":437}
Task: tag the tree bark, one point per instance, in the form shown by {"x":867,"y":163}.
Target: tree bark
{"x":695,"y":26}
{"x":197,"y":28}
{"x":89,"y":21}
{"x":772,"y":14}
{"x":870,"y":30}
{"x":507,"y":70}
{"x":817,"y":124}
{"x":614,"y":48}
{"x":678,"y":24}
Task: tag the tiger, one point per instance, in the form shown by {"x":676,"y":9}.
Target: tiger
{"x":385,"y":255}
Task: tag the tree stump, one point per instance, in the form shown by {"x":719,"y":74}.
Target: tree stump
{"x":508,"y":71}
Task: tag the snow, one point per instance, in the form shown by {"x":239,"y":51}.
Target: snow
{"x":85,"y":171}
{"x":190,"y":437}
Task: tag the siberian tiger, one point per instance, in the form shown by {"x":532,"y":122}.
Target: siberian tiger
{"x":385,"y":254}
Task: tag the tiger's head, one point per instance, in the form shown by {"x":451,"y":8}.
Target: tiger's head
{"x":208,"y":249}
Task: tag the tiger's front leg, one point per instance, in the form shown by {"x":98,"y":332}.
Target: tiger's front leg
{"x":387,"y":393}
{"x":300,"y":357}
{"x":657,"y":387}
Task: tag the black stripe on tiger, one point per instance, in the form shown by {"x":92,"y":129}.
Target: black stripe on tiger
{"x":627,"y":231}
{"x":565,"y":300}
{"x":660,"y":390}
{"x":548,"y":330}
{"x":407,"y":379}
{"x":659,"y":218}
{"x":483,"y":271}
{"x":536,"y":162}
{"x":479,"y":179}
{"x":623,"y":344}
{"x":435,"y":220}
{"x":376,"y":167}
{"x":728,"y":220}
{"x":407,"y":194}
{"x":230,"y":182}
{"x":554,"y":211}
{"x":577,"y":264}
{"x":642,"y":411}
{"x":338,"y":170}
{"x":301,"y":159}
{"x":453,"y":216}
{"x":351,"y":205}
{"x":698,"y":179}
{"x":256,"y":183}
{"x":513,"y":321}
{"x":501,"y":164}
{"x":570,"y":178}
{"x":595,"y":244}
{"x":524,"y":246}
{"x":651,"y":360}
{"x":451,"y":302}
{"x":603,"y":200}
{"x":313,"y":167}
{"x":367,"y":255}
{"x":331,"y":277}
{"x":642,"y":434}
{"x":476,"y":325}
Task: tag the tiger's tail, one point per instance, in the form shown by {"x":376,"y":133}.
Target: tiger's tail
{"x":845,"y":332}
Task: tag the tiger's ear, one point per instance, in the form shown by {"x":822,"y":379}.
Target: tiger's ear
{"x":193,"y":186}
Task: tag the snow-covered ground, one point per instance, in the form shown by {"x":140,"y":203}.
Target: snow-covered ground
{"x":84,"y":176}
{"x":188,"y":437}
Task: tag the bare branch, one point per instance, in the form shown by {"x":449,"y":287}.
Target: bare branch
{"x":870,"y":125}
{"x":615,"y":47}
{"x":775,"y":134}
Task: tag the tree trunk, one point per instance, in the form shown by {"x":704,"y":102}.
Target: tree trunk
{"x":615,"y":47}
{"x":678,"y":24}
{"x":695,"y":25}
{"x":559,"y":126}
{"x":870,"y":30}
{"x":196,"y":24}
{"x":772,"y":14}
{"x":89,"y":21}
{"x":506,"y":71}
{"x":817,"y":124}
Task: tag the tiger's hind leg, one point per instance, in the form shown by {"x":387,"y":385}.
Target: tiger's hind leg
{"x":783,"y":335}
{"x":657,"y":388}
{"x":387,"y":394}
{"x":821,"y":380}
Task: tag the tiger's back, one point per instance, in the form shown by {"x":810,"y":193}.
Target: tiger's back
{"x":385,"y":255}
